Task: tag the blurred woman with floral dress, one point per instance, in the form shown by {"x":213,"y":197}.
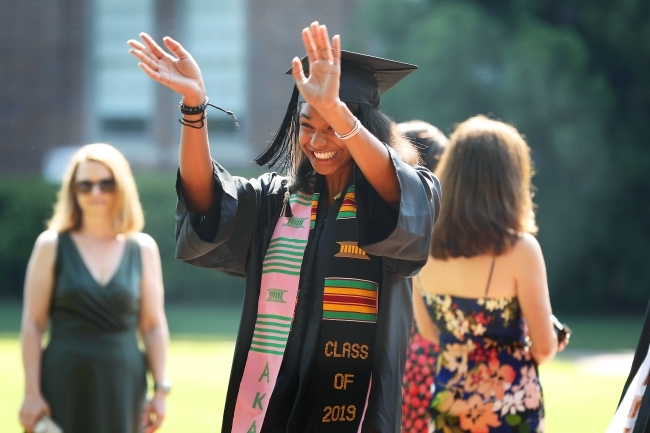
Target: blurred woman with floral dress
{"x":485,"y":288}
{"x":421,"y":353}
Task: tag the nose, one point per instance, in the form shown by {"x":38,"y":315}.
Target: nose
{"x":96,"y":189}
{"x":318,"y":139}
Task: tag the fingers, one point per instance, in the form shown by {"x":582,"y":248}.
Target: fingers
{"x":323,"y":43}
{"x":150,"y":72}
{"x":140,"y":51}
{"x":155,"y":425}
{"x":152,"y":419}
{"x":29,"y":420}
{"x":176,"y":48}
{"x":296,"y":70}
{"x":314,"y":30}
{"x":153,"y":415}
{"x":336,"y":49}
{"x":317,"y":44}
{"x":146,"y":415}
{"x":310,"y":46}
{"x":152,"y":45}
{"x":146,"y":59}
{"x":137,"y":45}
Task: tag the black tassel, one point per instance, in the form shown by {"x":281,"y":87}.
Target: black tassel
{"x":279,"y":150}
{"x":286,"y":205}
{"x":286,"y":202}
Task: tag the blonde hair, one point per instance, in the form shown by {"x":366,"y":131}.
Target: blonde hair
{"x":128,"y":217}
{"x":485,"y":174}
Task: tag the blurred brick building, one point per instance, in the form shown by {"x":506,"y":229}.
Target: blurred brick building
{"x":67,"y":78}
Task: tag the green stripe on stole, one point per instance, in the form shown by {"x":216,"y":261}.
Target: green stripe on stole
{"x":276,"y":307}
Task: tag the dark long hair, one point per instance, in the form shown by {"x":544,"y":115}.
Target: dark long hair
{"x":485,"y":174}
{"x":299,"y":168}
{"x":428,"y":139}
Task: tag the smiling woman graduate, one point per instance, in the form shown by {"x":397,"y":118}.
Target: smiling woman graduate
{"x":327,"y":250}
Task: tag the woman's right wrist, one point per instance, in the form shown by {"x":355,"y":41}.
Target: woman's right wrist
{"x":32,"y":389}
{"x":34,"y":394}
{"x":195,"y":99}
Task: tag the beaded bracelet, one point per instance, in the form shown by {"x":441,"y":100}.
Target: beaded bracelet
{"x":193,"y":110}
{"x":200,"y":109}
{"x":355,"y":130}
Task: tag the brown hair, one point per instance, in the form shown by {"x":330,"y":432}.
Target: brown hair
{"x":428,"y":139}
{"x":128,"y":217}
{"x":485,"y":174}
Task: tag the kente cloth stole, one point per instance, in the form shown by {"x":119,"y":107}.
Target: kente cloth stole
{"x":340,"y":378}
{"x":275,"y":312}
{"x":343,"y":362}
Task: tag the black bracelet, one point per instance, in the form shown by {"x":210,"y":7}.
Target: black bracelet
{"x":189,"y":123}
{"x":193,"y":110}
{"x":188,"y":111}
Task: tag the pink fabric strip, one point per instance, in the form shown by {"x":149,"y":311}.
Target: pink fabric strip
{"x":365,"y":407}
{"x":275,"y":310}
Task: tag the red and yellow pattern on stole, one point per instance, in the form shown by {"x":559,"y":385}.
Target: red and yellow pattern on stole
{"x":314,"y":210}
{"x":349,"y":205}
{"x":350,"y":299}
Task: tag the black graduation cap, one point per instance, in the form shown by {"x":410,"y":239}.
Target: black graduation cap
{"x":363,"y":79}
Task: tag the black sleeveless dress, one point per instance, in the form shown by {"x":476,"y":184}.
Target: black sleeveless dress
{"x":93,"y":374}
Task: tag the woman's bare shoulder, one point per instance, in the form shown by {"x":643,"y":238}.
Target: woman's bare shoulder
{"x":44,"y":252}
{"x":527,"y":250}
{"x":527,"y":244}
{"x":146,"y":242}
{"x":48,"y":240}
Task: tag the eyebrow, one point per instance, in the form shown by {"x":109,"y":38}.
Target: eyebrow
{"x":305,"y":116}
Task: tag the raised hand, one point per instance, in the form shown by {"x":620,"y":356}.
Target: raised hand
{"x":321,"y":88}
{"x":180,"y":73}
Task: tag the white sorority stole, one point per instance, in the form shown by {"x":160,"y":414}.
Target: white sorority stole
{"x":627,"y":412}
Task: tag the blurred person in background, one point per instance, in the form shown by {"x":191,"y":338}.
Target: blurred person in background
{"x":484,"y":287}
{"x":327,"y":251}
{"x":97,"y":279}
{"x":421,"y":353}
{"x":428,"y":139}
{"x":633,"y":412}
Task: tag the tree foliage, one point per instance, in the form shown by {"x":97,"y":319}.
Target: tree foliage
{"x":573,"y":78}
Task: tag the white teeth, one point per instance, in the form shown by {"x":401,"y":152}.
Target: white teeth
{"x":325,"y":155}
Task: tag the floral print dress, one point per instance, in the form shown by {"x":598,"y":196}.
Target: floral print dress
{"x":486,"y":380}
{"x":421,"y":357}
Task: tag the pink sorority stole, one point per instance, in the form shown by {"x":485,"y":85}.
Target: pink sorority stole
{"x":275,"y":311}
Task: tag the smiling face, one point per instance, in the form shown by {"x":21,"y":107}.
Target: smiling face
{"x":326,"y":152}
{"x":99,"y":200}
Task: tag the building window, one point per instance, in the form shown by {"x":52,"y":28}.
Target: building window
{"x":124,"y":125}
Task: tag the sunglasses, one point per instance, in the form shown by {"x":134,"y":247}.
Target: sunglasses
{"x":86,"y":186}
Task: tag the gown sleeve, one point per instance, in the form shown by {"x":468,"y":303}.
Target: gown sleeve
{"x":402,"y":236}
{"x":221,"y":239}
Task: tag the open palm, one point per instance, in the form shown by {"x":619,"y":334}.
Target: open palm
{"x":180,"y":73}
{"x":321,"y":88}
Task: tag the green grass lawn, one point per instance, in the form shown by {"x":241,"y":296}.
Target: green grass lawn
{"x":199,"y":369}
{"x":201,"y":353}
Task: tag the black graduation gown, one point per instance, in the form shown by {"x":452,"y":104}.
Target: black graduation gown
{"x":642,"y":424}
{"x":234,"y":236}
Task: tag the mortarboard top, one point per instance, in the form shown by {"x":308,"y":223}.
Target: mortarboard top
{"x":363,"y":79}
